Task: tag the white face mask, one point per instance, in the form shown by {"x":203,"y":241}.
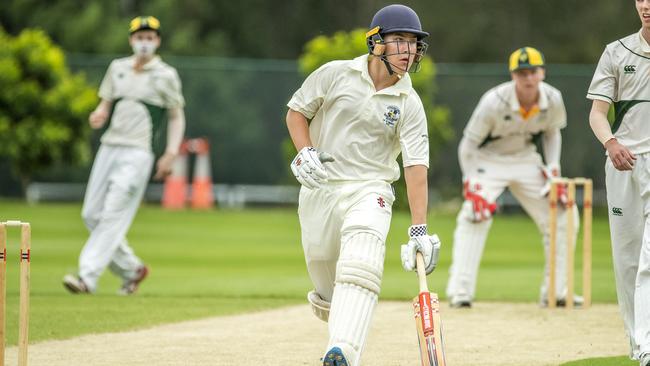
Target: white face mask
{"x":144,"y":48}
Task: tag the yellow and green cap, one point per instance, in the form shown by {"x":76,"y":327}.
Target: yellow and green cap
{"x":144,"y":23}
{"x":525,"y":58}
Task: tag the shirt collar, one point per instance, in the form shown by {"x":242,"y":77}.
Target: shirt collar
{"x":152,"y":64}
{"x":542,"y":103}
{"x":402,"y":86}
{"x":645,"y":47}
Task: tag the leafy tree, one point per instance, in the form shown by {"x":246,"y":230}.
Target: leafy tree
{"x":347,"y":45}
{"x":43,"y":107}
{"x":246,"y":28}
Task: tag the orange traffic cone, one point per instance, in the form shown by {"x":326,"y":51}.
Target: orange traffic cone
{"x":202,"y":197}
{"x":175,"y":189}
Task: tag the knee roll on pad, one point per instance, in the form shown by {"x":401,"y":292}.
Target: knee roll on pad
{"x":319,"y":307}
{"x":361,"y":262}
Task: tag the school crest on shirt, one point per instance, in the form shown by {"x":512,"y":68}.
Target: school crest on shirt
{"x":391,"y":116}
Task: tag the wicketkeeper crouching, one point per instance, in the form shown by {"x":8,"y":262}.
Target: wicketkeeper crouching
{"x":497,"y":151}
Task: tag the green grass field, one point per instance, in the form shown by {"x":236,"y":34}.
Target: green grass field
{"x":223,"y":262}
{"x":605,"y":361}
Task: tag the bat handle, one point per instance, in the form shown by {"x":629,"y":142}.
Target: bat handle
{"x":422,"y":276}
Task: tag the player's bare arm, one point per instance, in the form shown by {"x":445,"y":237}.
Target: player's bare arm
{"x":307,"y":166}
{"x":416,"y":186}
{"x":99,"y":116}
{"x":621,"y":156}
{"x":298,"y":129}
{"x":429,"y":245}
{"x":175,"y":132}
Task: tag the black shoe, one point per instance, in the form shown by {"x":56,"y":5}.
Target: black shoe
{"x":578,"y":301}
{"x":460,"y":304}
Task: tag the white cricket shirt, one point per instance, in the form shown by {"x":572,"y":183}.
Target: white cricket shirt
{"x":364,"y":129}
{"x":622,"y":77}
{"x":139,"y":100}
{"x":499,"y":126}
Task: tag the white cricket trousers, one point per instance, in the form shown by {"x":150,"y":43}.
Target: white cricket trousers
{"x":344,"y":228}
{"x":115,"y":188}
{"x":525,"y":181}
{"x":628,"y":200}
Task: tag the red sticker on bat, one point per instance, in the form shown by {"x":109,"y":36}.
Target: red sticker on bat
{"x":425,"y":313}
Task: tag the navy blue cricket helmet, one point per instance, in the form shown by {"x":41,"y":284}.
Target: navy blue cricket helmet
{"x":398,"y":18}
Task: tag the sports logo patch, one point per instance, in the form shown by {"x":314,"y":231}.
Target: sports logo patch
{"x":629,"y":69}
{"x":523,"y":58}
{"x":616,"y":211}
{"x":391,"y":116}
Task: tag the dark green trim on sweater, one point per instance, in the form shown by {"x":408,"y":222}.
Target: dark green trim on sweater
{"x":158,"y":117}
{"x":627,"y":48}
{"x":602,"y":95}
{"x":158,"y":127}
{"x":621,"y":108}
{"x":487,"y":140}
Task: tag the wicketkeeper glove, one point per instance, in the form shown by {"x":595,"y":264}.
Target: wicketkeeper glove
{"x":308,"y":169}
{"x":482,"y":209}
{"x":549,"y":172}
{"x":420,"y":241}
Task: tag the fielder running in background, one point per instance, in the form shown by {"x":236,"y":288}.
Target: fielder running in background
{"x":135,"y":94}
{"x":349,"y":121}
{"x":497,"y":151}
{"x":622,"y":78}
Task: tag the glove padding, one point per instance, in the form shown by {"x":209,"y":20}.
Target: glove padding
{"x":549,"y":172}
{"x":482,"y":209}
{"x":428,"y":245}
{"x":308,"y":169}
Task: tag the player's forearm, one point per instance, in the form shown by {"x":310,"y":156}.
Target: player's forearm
{"x":467,"y":153}
{"x":175,"y":130}
{"x":417,"y":191}
{"x":298,"y":129}
{"x":104,"y":106}
{"x":598,"y":121}
{"x":552,"y":145}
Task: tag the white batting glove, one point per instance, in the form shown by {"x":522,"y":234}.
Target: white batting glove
{"x":308,"y":169}
{"x":428,"y":245}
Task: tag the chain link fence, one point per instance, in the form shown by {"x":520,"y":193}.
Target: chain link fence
{"x":240,"y":104}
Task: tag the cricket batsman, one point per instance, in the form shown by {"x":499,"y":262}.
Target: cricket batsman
{"x":349,"y":121}
{"x":136,"y":94}
{"x":497,"y":151}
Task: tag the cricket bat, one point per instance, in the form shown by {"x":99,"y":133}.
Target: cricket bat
{"x":427,"y":320}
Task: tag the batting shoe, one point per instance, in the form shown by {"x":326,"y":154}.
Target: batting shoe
{"x":75,"y":285}
{"x":458,"y":302}
{"x":578,"y":301}
{"x":645,"y":360}
{"x":130,"y":286}
{"x":335,"y":357}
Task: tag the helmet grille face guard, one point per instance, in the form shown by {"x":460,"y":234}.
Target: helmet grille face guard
{"x":418,"y":50}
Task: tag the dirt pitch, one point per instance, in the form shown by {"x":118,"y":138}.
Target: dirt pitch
{"x":488,"y":334}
